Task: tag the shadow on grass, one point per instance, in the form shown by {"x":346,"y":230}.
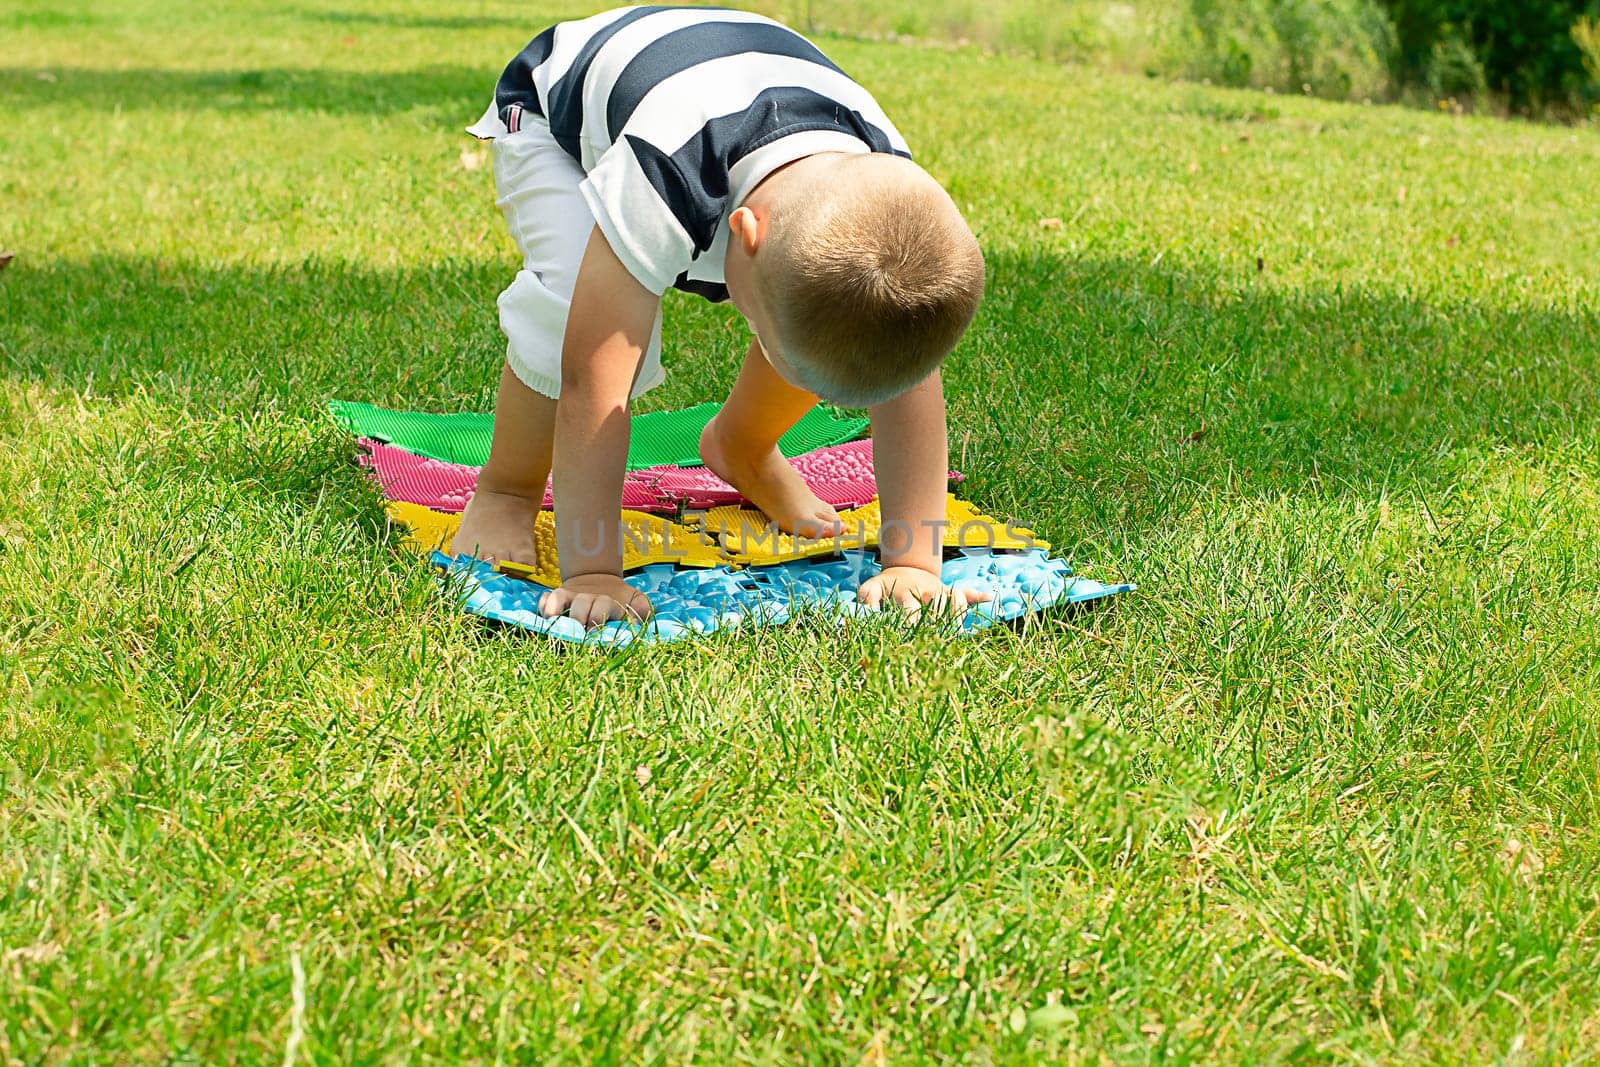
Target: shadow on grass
{"x":232,"y":338}
{"x":464,"y":89}
{"x":1143,"y":387}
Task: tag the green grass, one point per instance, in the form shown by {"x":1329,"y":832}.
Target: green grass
{"x":1323,"y":379}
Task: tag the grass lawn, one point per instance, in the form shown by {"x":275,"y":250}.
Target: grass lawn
{"x":1324,"y":379}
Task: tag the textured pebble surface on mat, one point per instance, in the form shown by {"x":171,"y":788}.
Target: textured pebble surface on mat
{"x":841,"y":475}
{"x":656,"y":438}
{"x":690,"y":603}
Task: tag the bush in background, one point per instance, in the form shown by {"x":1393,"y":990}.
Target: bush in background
{"x":1586,"y":35}
{"x":1126,"y":34}
{"x":1530,"y":53}
{"x":1337,"y":48}
{"x":1533,"y":57}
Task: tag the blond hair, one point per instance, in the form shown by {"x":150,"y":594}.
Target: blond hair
{"x":871,"y":276}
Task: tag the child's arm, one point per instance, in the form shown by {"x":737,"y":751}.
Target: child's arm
{"x":608,"y":330}
{"x":911,"y":455}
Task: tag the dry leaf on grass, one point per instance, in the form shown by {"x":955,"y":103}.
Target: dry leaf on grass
{"x":473,"y":158}
{"x":1521,"y":860}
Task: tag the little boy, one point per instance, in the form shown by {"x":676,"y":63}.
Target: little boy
{"x":717,"y":152}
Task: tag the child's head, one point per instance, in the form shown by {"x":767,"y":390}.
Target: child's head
{"x":864,"y":273}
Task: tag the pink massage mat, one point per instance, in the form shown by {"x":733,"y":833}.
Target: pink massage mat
{"x":445,"y":486}
{"x":841,"y":475}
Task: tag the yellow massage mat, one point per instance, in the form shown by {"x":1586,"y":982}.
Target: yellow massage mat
{"x":748,"y":537}
{"x":648,"y":539}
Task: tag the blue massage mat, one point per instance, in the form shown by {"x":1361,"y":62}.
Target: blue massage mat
{"x":691,"y":602}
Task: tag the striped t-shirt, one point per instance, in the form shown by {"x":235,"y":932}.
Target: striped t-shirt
{"x":675,"y":114}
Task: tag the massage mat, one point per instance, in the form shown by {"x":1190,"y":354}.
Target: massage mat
{"x":689,"y":604}
{"x":445,"y":486}
{"x":648,"y":539}
{"x":748,"y":537}
{"x":841,"y":475}
{"x":656,"y":438}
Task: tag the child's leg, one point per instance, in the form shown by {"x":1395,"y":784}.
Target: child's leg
{"x":536,"y":187}
{"x":741,"y":445}
{"x":498,"y":523}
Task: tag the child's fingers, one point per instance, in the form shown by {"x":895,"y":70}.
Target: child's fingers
{"x":583,"y":609}
{"x":911,"y":599}
{"x":914,"y":599}
{"x":638,"y":608}
{"x":594,"y":609}
{"x":597,"y":609}
{"x":911,"y":602}
{"x":949,"y":600}
{"x":554,"y":603}
{"x":576,"y":606}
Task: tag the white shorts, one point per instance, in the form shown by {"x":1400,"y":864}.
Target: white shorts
{"x":536,"y":188}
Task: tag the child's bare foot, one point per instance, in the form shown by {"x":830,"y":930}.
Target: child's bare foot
{"x":769,"y":483}
{"x":498,"y":528}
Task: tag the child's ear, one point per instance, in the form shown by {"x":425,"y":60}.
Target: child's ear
{"x":748,"y":228}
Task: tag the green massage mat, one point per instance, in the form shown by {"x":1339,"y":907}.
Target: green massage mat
{"x":658,"y":438}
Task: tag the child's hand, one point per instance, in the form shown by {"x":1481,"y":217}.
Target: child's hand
{"x":914,"y":589}
{"x":596,"y":599}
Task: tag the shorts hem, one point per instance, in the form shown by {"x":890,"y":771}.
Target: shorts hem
{"x":644,"y":385}
{"x":549,"y":386}
{"x":543,"y":384}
